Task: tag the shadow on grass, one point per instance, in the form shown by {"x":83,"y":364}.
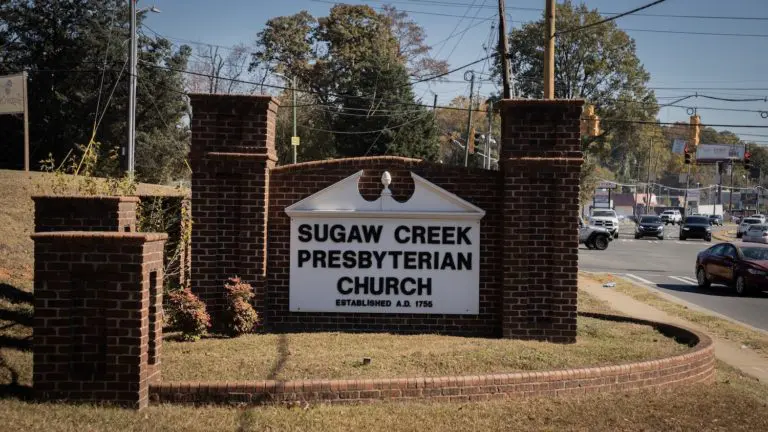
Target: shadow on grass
{"x":282,"y":357}
{"x":15,"y":295}
{"x":13,"y":389}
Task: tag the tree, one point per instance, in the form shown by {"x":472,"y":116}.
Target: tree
{"x":411,"y":45}
{"x":350,"y":63}
{"x":452,"y":126}
{"x":598,"y":64}
{"x":67,"y":48}
{"x":220,"y":70}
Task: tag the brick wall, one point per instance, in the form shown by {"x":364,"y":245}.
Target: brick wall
{"x":98,"y":316}
{"x":529,"y":239}
{"x":231,"y":155}
{"x":85,"y":213}
{"x":695,"y":366}
{"x":291,"y":183}
{"x":540,"y":163}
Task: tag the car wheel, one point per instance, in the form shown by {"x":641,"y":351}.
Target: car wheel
{"x":682,"y":238}
{"x":661,"y":237}
{"x":701,"y":278}
{"x":709,"y":239}
{"x":637,"y":237}
{"x":589,"y":245}
{"x":738,"y":235}
{"x":616,"y":235}
{"x":601,"y":243}
{"x":741,"y":287}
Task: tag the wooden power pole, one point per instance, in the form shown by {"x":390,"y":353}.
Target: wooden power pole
{"x":549,"y":54}
{"x":504,"y":48}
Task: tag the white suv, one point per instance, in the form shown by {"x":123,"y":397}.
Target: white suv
{"x":606,"y":218}
{"x":671,"y":217}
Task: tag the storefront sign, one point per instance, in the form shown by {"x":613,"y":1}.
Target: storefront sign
{"x":353,"y":255}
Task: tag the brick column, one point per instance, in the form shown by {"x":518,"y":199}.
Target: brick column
{"x":233,"y":151}
{"x":540,"y":161}
{"x":98,"y":316}
{"x":85,"y":213}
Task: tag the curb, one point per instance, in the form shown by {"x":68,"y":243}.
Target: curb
{"x":696,"y":365}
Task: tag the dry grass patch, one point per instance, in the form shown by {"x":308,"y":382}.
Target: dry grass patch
{"x":339,"y":355}
{"x":758,"y":341}
{"x":733,"y":403}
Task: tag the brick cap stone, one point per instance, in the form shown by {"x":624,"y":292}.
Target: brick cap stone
{"x":541,"y":102}
{"x":106,"y":235}
{"x":120,"y":198}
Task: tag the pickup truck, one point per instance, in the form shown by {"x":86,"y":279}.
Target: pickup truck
{"x":671,"y":217}
{"x":605,"y":218}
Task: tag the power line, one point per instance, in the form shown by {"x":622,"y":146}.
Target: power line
{"x":615,"y":17}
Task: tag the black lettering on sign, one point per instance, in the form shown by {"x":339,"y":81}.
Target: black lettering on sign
{"x":465,"y":260}
{"x":408,"y":290}
{"x":337,"y":234}
{"x":334,"y":256}
{"x":449,"y":233}
{"x":341,"y":289}
{"x":433,"y":235}
{"x":404,"y":238}
{"x":463,"y":235}
{"x":448,"y":262}
{"x":350,"y":259}
{"x":418,"y":235}
{"x":305,"y":233}
{"x":372,"y":233}
{"x":318,"y":258}
{"x":379,"y":257}
{"x":304,"y":256}
{"x":409,"y":260}
{"x":395,"y":256}
{"x":425,"y":261}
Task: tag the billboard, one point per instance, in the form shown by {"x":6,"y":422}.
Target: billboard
{"x":12,"y":94}
{"x":719,"y":152}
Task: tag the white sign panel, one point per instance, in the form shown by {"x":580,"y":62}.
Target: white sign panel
{"x":12,"y":94}
{"x":352,"y":255}
{"x":694,"y":194}
{"x":678,"y":146}
{"x":719,"y":152}
{"x":606,"y":185}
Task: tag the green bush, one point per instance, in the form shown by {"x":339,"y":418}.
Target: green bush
{"x":188,"y":314}
{"x":239,"y":317}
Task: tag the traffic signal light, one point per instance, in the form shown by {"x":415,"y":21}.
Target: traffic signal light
{"x":471,"y":141}
{"x":590,"y":122}
{"x":695,"y":130}
{"x":747,"y":160}
{"x":688,"y":158}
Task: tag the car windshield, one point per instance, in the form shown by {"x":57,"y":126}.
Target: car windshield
{"x":755,"y":253}
{"x":669,"y":212}
{"x":714,"y":216}
{"x":650,"y":219}
{"x":603,"y":214}
{"x":752,"y":221}
{"x":696,"y":220}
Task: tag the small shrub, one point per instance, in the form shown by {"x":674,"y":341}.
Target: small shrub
{"x":239,"y":316}
{"x":188,"y":314}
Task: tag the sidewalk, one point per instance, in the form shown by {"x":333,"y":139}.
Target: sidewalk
{"x":731,"y":353}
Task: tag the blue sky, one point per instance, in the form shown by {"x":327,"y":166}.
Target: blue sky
{"x":701,"y":62}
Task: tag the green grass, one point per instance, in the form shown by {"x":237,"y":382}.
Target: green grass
{"x":722,"y":328}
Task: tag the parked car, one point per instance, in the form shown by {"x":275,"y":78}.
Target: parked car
{"x":671,"y":217}
{"x":696,"y":227}
{"x":716,"y":219}
{"x":744,"y":225}
{"x":594,"y":237}
{"x":606,"y":218}
{"x":761,"y":217}
{"x":757,"y":233}
{"x":743,"y":267}
{"x":651,"y":226}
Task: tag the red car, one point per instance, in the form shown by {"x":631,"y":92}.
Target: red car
{"x":743,"y":267}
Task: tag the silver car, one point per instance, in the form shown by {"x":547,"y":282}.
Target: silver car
{"x":745,"y":224}
{"x":756,"y":234}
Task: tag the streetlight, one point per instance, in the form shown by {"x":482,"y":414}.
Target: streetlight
{"x":131,"y":157}
{"x":294,"y":137}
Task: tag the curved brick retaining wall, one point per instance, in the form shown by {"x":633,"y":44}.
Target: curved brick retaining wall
{"x":695,"y":366}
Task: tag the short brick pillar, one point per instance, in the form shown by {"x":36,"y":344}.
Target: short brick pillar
{"x":85,"y":213}
{"x":233,"y":151}
{"x":541,"y":162}
{"x":98,"y":316}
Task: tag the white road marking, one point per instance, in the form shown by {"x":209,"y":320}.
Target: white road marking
{"x":679,"y":279}
{"x":691,"y":279}
{"x":645,"y":281}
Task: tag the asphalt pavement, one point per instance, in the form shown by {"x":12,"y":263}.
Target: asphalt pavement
{"x":668,"y":265}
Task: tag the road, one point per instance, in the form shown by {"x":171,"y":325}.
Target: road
{"x":668,"y":265}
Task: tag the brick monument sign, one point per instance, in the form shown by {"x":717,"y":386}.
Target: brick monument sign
{"x":390,"y":243}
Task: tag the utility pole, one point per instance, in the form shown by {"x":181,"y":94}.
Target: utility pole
{"x":469,"y":76}
{"x":648,"y":182}
{"x":719,"y":186}
{"x":504,"y":47}
{"x":129,"y":158}
{"x":687,"y":185}
{"x":434,"y":103}
{"x":295,"y":146}
{"x":488,"y":136}
{"x":730,"y":193}
{"x":549,"y":55}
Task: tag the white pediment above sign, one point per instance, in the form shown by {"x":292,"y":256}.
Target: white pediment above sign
{"x":343,"y":199}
